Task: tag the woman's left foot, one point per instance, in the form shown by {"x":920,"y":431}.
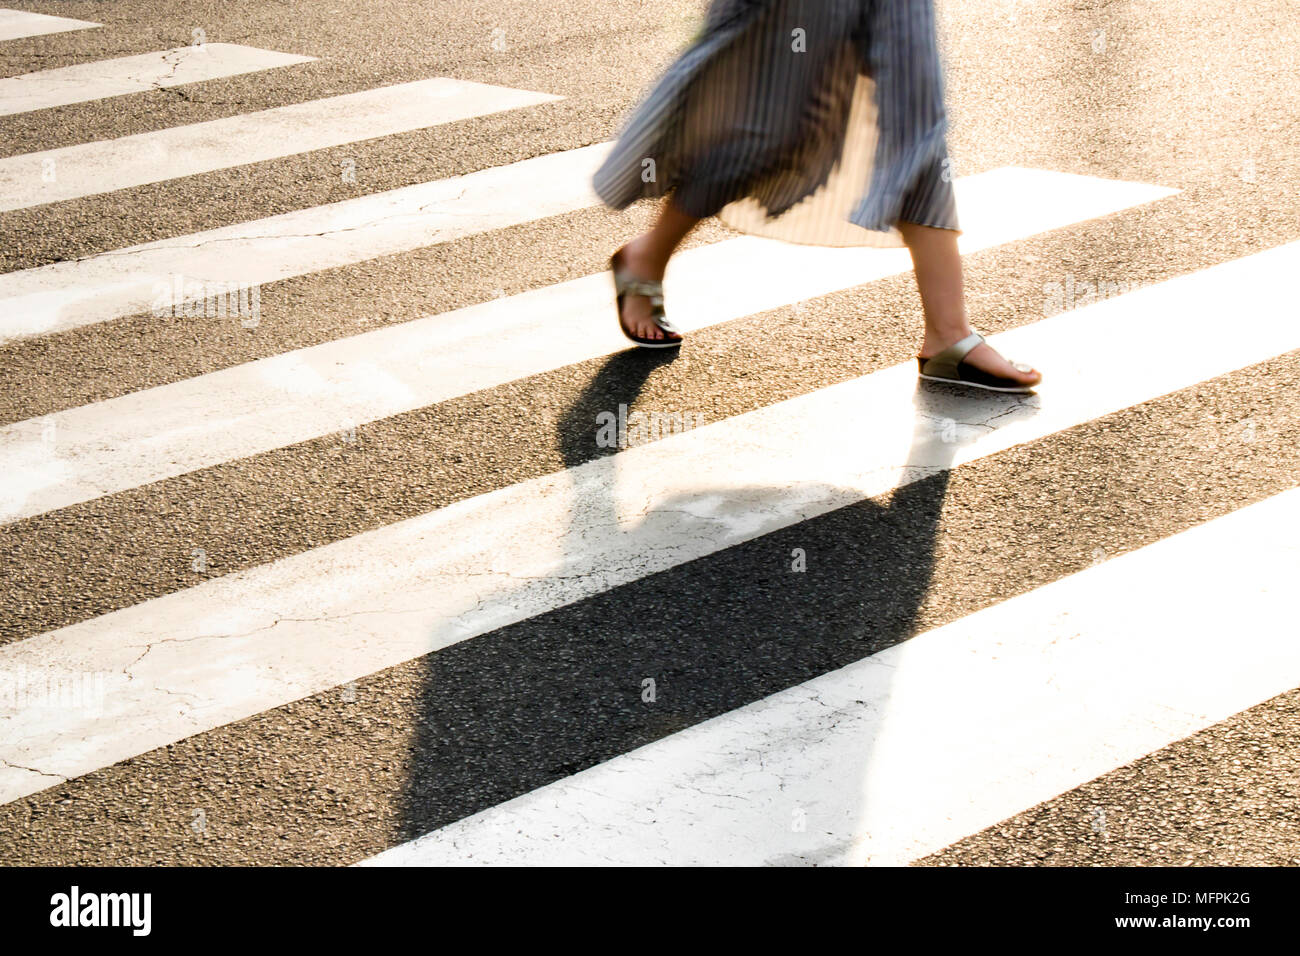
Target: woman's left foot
{"x":653,"y":330}
{"x":973,"y":362}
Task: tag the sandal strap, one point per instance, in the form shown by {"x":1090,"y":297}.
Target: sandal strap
{"x":653,"y":290}
{"x":661,"y":320}
{"x":650,"y":288}
{"x":944,"y":364}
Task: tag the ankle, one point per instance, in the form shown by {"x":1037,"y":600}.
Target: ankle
{"x":939,"y":338}
{"x":643,"y":254}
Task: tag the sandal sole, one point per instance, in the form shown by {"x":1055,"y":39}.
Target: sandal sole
{"x":671,"y":344}
{"x":1017,"y":390}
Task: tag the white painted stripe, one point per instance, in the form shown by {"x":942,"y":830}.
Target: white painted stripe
{"x":66,"y":295}
{"x":908,"y":751}
{"x":17,"y":24}
{"x":91,"y":168}
{"x":157,"y":433}
{"x":237,"y":645}
{"x":135,"y":74}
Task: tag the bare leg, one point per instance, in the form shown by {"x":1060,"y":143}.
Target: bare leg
{"x":938,"y":277}
{"x":646,"y":257}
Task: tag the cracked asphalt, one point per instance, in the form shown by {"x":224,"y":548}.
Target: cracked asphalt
{"x":1200,"y":98}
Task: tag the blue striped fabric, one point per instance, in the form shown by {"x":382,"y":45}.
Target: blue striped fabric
{"x":815,"y":121}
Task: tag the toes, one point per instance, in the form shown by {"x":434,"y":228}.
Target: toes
{"x":1025,"y":374}
{"x":646,"y":328}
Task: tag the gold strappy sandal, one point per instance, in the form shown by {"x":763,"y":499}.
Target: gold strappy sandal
{"x":626,"y":284}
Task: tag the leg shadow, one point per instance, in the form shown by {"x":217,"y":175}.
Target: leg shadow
{"x":533,"y":702}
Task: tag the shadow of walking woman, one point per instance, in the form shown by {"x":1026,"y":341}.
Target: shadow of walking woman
{"x":745,"y":590}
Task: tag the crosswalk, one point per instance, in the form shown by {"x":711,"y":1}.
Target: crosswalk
{"x":174,"y":429}
{"x":870,"y":755}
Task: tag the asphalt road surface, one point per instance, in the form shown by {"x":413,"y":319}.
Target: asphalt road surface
{"x":387,"y":550}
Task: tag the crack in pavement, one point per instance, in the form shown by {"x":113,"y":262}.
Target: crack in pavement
{"x":18,"y":766}
{"x":157,"y":84}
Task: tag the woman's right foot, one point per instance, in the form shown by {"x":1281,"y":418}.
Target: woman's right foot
{"x":969,"y":360}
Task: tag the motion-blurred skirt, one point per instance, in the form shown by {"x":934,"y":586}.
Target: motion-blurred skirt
{"x":813,"y":121}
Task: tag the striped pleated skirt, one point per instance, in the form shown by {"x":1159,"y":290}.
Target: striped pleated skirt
{"x":812,"y":121}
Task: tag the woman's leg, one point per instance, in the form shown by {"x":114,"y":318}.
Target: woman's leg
{"x":938,"y":277}
{"x":646,"y":257}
